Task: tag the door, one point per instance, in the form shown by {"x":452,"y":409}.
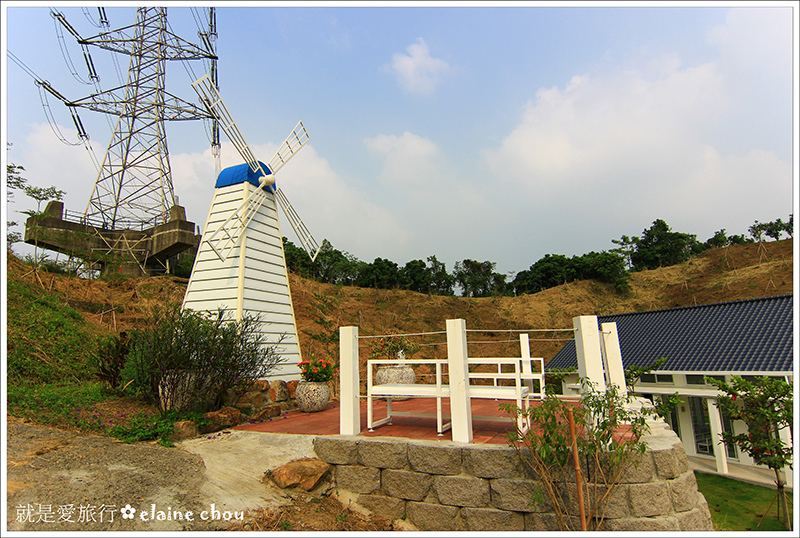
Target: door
{"x":703,"y":443}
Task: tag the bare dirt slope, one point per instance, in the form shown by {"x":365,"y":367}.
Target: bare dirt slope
{"x":731,"y":273}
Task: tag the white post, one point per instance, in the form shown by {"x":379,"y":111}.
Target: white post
{"x":786,"y":437}
{"x":349,"y":406}
{"x":616,"y":372}
{"x":720,"y":451}
{"x":587,"y":347}
{"x":458,"y":370}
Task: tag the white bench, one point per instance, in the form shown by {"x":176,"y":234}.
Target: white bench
{"x":413,"y":390}
{"x":521,"y":391}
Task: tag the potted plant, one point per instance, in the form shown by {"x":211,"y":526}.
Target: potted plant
{"x":313,"y":393}
{"x":394,"y":347}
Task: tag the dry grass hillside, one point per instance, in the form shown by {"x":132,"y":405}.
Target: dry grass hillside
{"x":735,"y":272}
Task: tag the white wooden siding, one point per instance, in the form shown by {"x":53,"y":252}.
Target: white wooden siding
{"x":264,"y":284}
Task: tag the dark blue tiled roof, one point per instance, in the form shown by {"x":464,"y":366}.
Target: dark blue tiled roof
{"x":752,"y":335}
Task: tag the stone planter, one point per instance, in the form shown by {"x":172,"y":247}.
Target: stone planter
{"x":395,"y":373}
{"x":312,"y":396}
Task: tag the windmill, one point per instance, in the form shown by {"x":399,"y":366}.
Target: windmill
{"x":240,"y":264}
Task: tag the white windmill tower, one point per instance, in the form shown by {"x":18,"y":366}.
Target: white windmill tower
{"x":240,"y":264}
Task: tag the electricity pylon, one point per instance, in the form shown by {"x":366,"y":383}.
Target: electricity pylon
{"x":133,"y":190}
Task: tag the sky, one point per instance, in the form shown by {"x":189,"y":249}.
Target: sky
{"x":458,"y":130}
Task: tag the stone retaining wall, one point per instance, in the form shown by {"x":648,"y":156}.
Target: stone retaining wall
{"x":446,"y":486}
{"x":267,"y":397}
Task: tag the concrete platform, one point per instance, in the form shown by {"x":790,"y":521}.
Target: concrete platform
{"x":736,"y":471}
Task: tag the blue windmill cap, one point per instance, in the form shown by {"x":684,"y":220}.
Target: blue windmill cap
{"x":239,"y":174}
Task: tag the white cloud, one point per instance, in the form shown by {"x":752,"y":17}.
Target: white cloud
{"x":600,"y":130}
{"x":418,"y":72}
{"x":756,"y":38}
{"x":409,"y":159}
{"x":609,"y":150}
{"x":47,"y":161}
{"x":328,"y":207}
{"x":333,"y":210}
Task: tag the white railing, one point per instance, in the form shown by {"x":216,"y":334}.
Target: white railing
{"x":520,"y":371}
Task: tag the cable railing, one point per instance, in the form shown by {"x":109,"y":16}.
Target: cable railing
{"x":120,"y":223}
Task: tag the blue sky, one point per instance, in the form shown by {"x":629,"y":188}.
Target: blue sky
{"x":471,"y":131}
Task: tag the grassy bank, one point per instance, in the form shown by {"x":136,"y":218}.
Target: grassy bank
{"x":738,"y":506}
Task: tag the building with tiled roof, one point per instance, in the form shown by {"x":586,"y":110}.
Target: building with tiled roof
{"x":748,"y":338}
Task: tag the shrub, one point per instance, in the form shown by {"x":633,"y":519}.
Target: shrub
{"x":607,"y":441}
{"x":110,"y":359}
{"x":189,"y":361}
{"x":144,"y":427}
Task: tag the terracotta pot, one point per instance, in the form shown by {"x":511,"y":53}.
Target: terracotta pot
{"x":312,"y":396}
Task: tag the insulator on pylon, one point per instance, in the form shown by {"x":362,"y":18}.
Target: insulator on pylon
{"x":78,"y":124}
{"x":90,"y":64}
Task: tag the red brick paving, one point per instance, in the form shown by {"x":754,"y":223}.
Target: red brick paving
{"x":489,"y":423}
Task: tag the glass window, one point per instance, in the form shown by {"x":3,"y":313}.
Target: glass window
{"x":648,"y":378}
{"x":699,"y":379}
{"x":664,"y":378}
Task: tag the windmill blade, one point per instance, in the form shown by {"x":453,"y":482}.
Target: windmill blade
{"x":296,"y":140}
{"x":210,"y":97}
{"x":226,"y":237}
{"x":306,"y":240}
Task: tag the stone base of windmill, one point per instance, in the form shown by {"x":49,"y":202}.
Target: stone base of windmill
{"x":266,"y":398}
{"x":395,"y":373}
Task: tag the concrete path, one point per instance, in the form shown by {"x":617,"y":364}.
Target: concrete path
{"x":236,"y":461}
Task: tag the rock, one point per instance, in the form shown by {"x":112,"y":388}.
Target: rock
{"x":224,"y":418}
{"x":291,"y":386}
{"x":278,"y":391}
{"x":184,"y":429}
{"x":252,"y":399}
{"x":269,"y":411}
{"x":305,"y":473}
{"x":260,"y":385}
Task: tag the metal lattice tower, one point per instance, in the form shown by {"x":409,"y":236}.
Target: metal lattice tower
{"x":134,"y":186}
{"x":132,"y":223}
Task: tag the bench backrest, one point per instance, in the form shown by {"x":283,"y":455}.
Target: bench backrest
{"x":522,"y":372}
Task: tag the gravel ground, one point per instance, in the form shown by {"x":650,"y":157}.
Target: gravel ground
{"x":65,"y":481}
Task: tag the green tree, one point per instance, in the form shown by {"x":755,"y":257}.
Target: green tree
{"x":550,"y":271}
{"x":14,"y":181}
{"x":659,"y":246}
{"x":476,"y":279}
{"x":40,"y":194}
{"x":330,"y":264}
{"x":718,"y":240}
{"x":381,"y":273}
{"x":607,"y":267}
{"x":757,"y":231}
{"x":788,"y":227}
{"x":415,"y":276}
{"x":187,"y":360}
{"x":766,"y":406}
{"x":626,"y":248}
{"x":603,"y":456}
{"x":297,"y":260}
{"x":441,"y":282}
